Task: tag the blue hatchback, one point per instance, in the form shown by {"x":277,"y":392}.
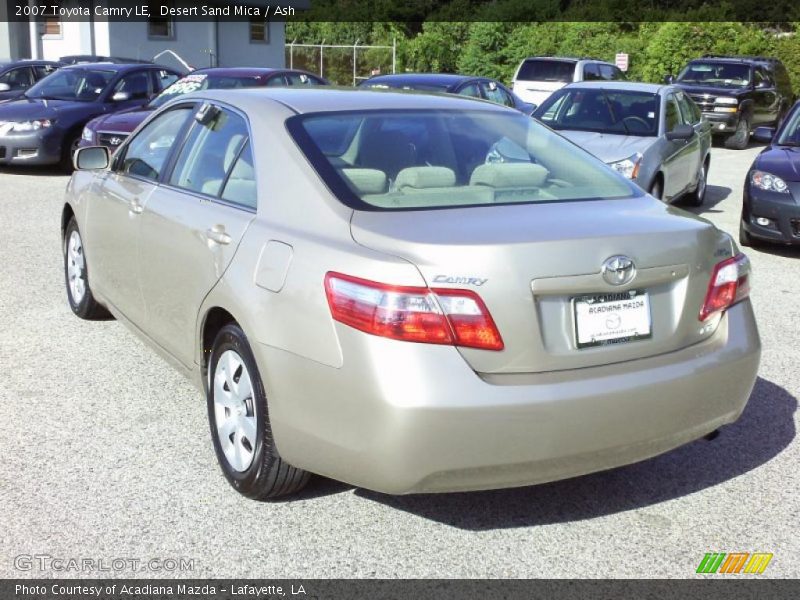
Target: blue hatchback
{"x":771,"y":202}
{"x":43,"y":126}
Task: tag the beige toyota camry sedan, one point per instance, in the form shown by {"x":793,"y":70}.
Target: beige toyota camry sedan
{"x":407,"y":292}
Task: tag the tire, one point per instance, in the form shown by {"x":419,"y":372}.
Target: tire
{"x":70,"y":145}
{"x":739,"y":139}
{"x":239,"y":420}
{"x":76,"y":277}
{"x":745,"y":239}
{"x":698,"y":196}
{"x":657,"y":189}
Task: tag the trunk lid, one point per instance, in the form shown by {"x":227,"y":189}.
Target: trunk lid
{"x":529,"y":262}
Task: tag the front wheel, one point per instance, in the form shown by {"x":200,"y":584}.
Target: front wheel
{"x":741,"y":137}
{"x":745,"y":239}
{"x":76,"y":276}
{"x":240,"y":425}
{"x":657,"y":189}
{"x":698,"y":196}
{"x":70,"y":146}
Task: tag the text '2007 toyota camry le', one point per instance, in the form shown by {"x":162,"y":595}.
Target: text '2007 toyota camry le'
{"x":408,"y":292}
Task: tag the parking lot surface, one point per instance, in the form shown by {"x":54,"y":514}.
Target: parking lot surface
{"x":106,"y":455}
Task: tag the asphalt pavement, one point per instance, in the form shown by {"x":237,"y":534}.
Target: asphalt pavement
{"x":105,"y":455}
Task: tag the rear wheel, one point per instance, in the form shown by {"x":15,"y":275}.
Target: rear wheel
{"x":240,"y":425}
{"x":741,"y":137}
{"x":76,"y":276}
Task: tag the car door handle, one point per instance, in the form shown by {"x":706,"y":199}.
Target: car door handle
{"x":217,"y":235}
{"x":136,"y":207}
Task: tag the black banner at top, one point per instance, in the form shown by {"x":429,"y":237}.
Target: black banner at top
{"x":409,"y":11}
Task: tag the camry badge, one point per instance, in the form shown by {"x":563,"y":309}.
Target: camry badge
{"x":618,"y":270}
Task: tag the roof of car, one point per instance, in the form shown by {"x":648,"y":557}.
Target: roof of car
{"x":26,"y":61}
{"x":246,"y":71}
{"x":333,"y":99}
{"x":116,"y":67}
{"x":627,"y":86}
{"x":444,"y":79}
{"x":736,"y":59}
{"x":573,"y":59}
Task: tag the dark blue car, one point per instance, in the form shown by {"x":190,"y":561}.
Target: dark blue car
{"x":448,"y":83}
{"x":771,"y":203}
{"x":43,"y":126}
{"x":18,"y":76}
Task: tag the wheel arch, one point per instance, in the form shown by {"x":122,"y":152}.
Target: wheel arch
{"x":67,"y":213}
{"x":214,"y":319}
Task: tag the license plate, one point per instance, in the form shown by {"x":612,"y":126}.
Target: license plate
{"x":604,"y":319}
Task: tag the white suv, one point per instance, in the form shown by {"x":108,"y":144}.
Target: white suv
{"x":538,"y":77}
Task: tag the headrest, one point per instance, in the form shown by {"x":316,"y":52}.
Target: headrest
{"x":503,"y":175}
{"x":425,"y":177}
{"x":366,"y":181}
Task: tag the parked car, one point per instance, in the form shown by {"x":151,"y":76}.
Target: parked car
{"x":652,"y":134}
{"x":737,"y":94}
{"x":365,"y":288}
{"x":110,"y":130}
{"x":18,"y":76}
{"x":44,"y":125}
{"x":447,"y":83}
{"x":771,"y":198}
{"x":539,"y":76}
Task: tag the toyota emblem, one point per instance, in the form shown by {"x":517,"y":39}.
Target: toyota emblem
{"x":618,"y":270}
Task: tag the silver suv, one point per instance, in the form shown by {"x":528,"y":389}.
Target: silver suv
{"x":537,"y":77}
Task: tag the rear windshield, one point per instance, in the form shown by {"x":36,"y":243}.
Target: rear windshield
{"x":546,"y":70}
{"x":400,"y":160}
{"x":603,"y":111}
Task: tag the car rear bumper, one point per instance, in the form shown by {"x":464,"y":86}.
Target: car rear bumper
{"x":41,"y":147}
{"x":403,"y":418}
{"x":781,"y":209}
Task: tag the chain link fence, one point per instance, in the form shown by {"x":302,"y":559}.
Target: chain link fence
{"x":342,"y":64}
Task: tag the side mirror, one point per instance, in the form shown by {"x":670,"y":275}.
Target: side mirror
{"x":91,"y":158}
{"x":684,"y":131}
{"x":121,"y":97}
{"x":764,"y":134}
{"x":4,"y":87}
{"x":669,"y":79}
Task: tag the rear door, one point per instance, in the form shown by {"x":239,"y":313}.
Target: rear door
{"x":193,"y":222}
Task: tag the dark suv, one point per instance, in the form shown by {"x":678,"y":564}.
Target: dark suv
{"x":738,"y":93}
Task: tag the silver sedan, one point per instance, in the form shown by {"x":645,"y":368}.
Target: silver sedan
{"x":409,"y":293}
{"x":653,"y":134}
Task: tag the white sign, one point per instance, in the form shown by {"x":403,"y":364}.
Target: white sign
{"x":621,"y":60}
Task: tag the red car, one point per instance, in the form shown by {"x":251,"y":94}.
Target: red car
{"x":112,"y":129}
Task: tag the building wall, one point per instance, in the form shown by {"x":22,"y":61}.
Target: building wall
{"x":194,"y":42}
{"x":236,"y":49}
{"x":75,"y":38}
{"x":14,"y":40}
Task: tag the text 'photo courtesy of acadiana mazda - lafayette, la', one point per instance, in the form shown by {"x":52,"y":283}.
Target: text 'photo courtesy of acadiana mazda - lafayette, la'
{"x":771,"y":197}
{"x":737,"y":93}
{"x":111,"y":130}
{"x":365,"y":287}
{"x":44,"y":125}
{"x":652,"y":134}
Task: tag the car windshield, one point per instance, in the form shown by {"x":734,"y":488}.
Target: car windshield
{"x":546,"y":70}
{"x":202,"y":81}
{"x":419,"y":159}
{"x":790,"y":133}
{"x":81,"y":85}
{"x":716,"y":74}
{"x":605,"y":111}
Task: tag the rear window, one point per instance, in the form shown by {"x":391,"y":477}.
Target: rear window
{"x":401,"y":160}
{"x":546,"y":70}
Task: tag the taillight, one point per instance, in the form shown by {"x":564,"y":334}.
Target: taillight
{"x":730,"y":283}
{"x":412,"y":314}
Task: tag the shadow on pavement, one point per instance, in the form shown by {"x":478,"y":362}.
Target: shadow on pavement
{"x":765,"y":428}
{"x":40,"y":171}
{"x":714,"y":195}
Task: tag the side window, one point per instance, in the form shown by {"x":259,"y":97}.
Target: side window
{"x":591,"y":72}
{"x":302,"y":79}
{"x":135,"y":85}
{"x":42,"y":71}
{"x":240,"y":188}
{"x":470,"y":90}
{"x":276,"y":81}
{"x":687,"y":111}
{"x":163,"y":79}
{"x":672,"y":116}
{"x":17,"y":79}
{"x":147,"y":152}
{"x":495,"y":93}
{"x":210,"y":151}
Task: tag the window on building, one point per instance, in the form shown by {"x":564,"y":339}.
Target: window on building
{"x":158,"y":26}
{"x":51,"y":22}
{"x":259,"y":30}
